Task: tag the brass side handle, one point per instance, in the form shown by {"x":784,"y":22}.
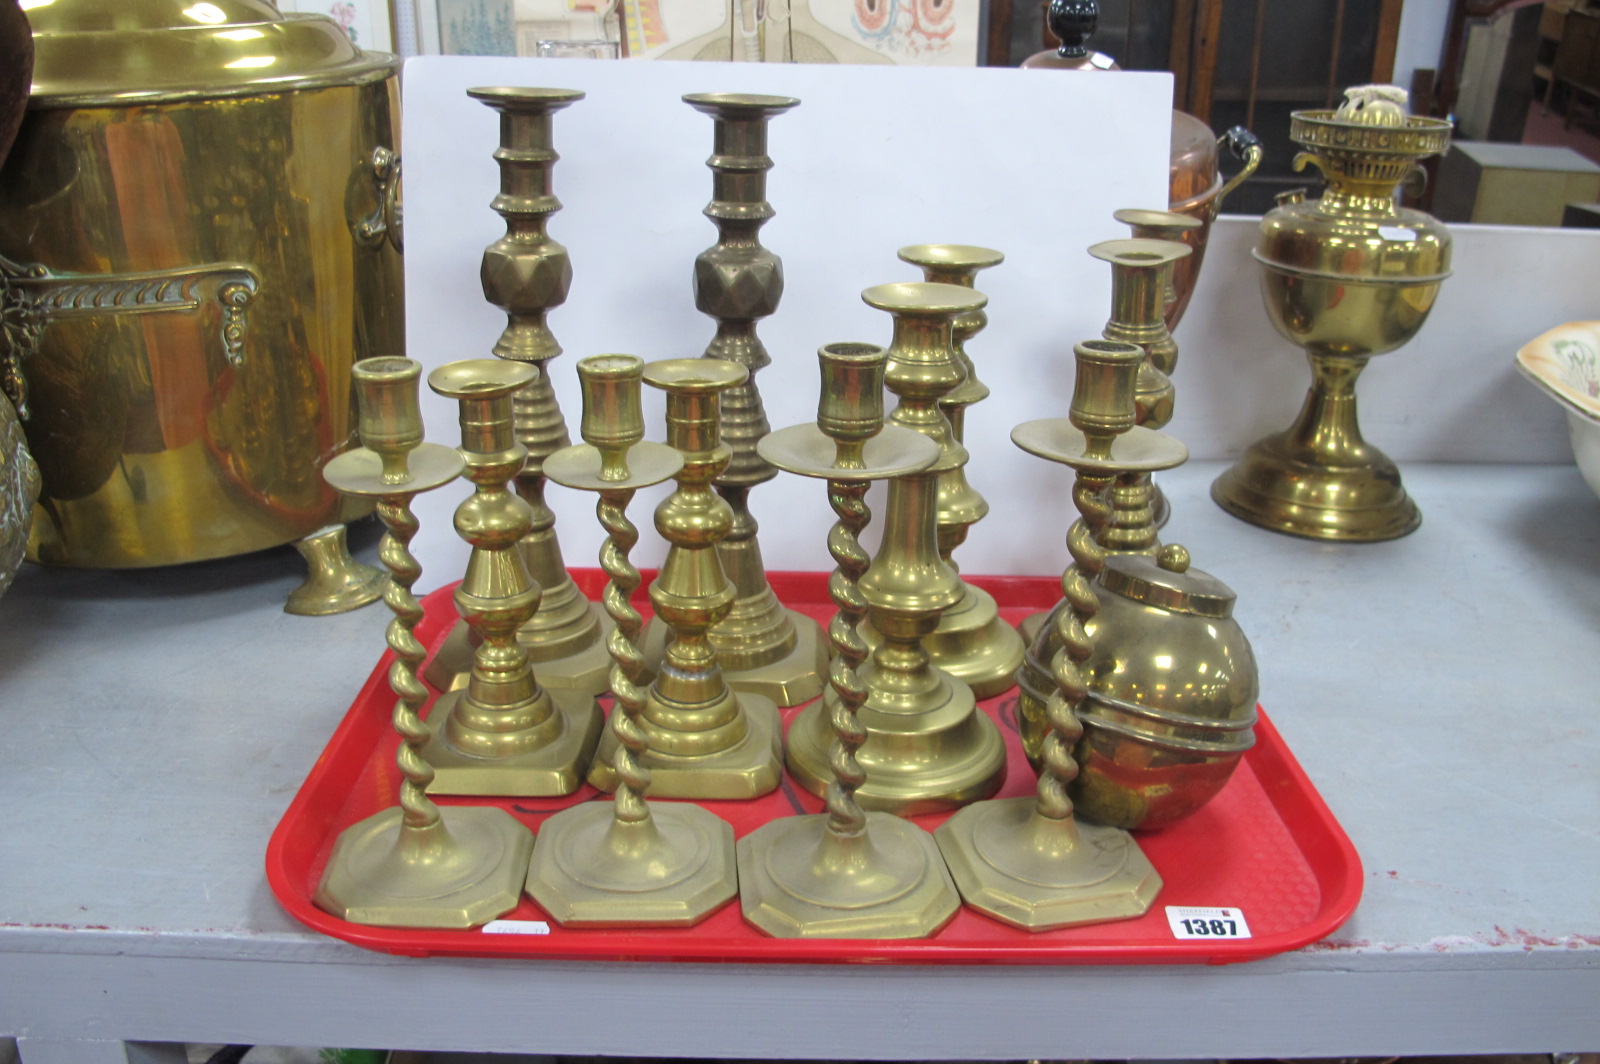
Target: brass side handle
{"x":385,"y":222}
{"x":1244,"y":146}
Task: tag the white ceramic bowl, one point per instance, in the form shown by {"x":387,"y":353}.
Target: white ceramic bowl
{"x":1565,"y":363}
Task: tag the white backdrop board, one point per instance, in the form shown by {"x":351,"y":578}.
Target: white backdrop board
{"x":1032,"y":163}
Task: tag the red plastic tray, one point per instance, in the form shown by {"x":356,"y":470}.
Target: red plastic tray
{"x":1267,"y":844}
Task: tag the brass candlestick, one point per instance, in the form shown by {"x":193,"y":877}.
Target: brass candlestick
{"x":413,"y":864}
{"x":705,"y":740}
{"x":1169,"y":225}
{"x":526,"y":273}
{"x":1027,"y":861}
{"x":761,"y":646}
{"x":335,"y":582}
{"x":1141,"y":278}
{"x":1345,"y":277}
{"x":502,"y":734}
{"x":927,"y":748}
{"x":972,"y":643}
{"x":629,"y":864}
{"x":846,"y":873}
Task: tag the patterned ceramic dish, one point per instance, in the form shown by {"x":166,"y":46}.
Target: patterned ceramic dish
{"x":1565,"y":363}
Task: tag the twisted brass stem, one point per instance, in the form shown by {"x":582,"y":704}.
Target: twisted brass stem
{"x":1059,"y":768}
{"x":401,"y":526}
{"x":633,"y":779}
{"x":849,"y":501}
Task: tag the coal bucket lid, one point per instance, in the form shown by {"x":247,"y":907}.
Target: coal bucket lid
{"x":113,"y":52}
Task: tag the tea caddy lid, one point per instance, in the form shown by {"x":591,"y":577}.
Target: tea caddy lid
{"x":1166,"y":582}
{"x":112,"y":52}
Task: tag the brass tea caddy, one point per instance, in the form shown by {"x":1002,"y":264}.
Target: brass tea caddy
{"x":1347,"y":276}
{"x":198,"y":238}
{"x":1172,"y":693}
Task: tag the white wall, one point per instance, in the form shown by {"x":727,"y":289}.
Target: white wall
{"x":1422,"y":29}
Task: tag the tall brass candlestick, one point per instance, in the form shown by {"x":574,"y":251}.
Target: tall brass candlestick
{"x":503,"y":734}
{"x":927,"y":748}
{"x":629,"y":864}
{"x":705,"y":740}
{"x":846,"y":873}
{"x":413,"y":864}
{"x":1027,"y":861}
{"x":526,"y":273}
{"x":761,"y":646}
{"x":972,"y":643}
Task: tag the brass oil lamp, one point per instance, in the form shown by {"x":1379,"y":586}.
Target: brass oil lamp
{"x":1346,"y":277}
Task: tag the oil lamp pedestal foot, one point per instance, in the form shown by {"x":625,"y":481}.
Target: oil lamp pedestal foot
{"x":462,"y":872}
{"x":934,"y":760}
{"x":749,"y":768}
{"x":554,"y":768}
{"x":1273,"y":487}
{"x":335,"y":582}
{"x":972,"y":645}
{"x":584,"y":670}
{"x":798,"y":676}
{"x":1039,"y":874}
{"x":590,"y":869}
{"x":796,"y":880}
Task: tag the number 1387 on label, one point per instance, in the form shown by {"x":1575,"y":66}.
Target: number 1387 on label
{"x":1190,"y":921}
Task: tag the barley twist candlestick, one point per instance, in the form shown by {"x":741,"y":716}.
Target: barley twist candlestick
{"x":412,"y":865}
{"x":629,"y":864}
{"x":1027,"y":861}
{"x":1140,"y":275}
{"x":526,"y":273}
{"x":846,"y":873}
{"x":503,"y":734}
{"x":928,"y":748}
{"x":705,"y":740}
{"x":761,"y":646}
{"x":971,"y":643}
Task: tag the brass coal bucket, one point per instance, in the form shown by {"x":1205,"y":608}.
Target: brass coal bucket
{"x":196,"y":242}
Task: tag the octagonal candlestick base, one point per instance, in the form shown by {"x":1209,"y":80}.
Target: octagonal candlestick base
{"x":1039,"y":874}
{"x":626,"y":863}
{"x":413,"y":864}
{"x":846,"y":873}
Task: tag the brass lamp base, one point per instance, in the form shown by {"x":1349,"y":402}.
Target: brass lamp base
{"x":972,"y":644}
{"x":749,"y":768}
{"x":673,"y":869}
{"x":1274,"y":486}
{"x":944,"y":755}
{"x":463,"y":871}
{"x":1036,"y":873}
{"x":798,"y":676}
{"x":799,"y":880}
{"x":556,"y":767}
{"x":335,"y":582}
{"x":560,"y":668}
